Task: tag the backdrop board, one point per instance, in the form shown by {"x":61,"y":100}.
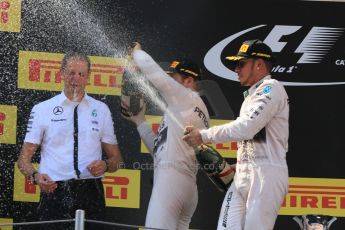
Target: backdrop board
{"x":307,"y":38}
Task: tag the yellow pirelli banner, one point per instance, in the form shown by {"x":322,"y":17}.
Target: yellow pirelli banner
{"x":23,"y":189}
{"x":41,"y":71}
{"x":10,"y":15}
{"x":6,"y":221}
{"x":121,"y":188}
{"x":227,"y":150}
{"x":315,"y":196}
{"x":8,"y":124}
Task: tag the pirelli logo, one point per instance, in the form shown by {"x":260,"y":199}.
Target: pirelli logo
{"x":10,"y":14}
{"x":41,"y":71}
{"x":227,"y":150}
{"x":121,"y":188}
{"x":8,"y":124}
{"x":315,"y":196}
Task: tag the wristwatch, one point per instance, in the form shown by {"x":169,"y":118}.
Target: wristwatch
{"x":32,"y":177}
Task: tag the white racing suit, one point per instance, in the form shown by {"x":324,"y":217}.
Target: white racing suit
{"x":261,"y":180}
{"x":174,"y":195}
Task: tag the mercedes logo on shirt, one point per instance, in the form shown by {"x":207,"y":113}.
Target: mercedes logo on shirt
{"x":58,"y":110}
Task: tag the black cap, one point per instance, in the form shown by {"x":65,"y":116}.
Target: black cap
{"x":251,"y":49}
{"x":185,"y":67}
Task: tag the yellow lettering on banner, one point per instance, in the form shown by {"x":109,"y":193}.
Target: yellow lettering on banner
{"x":227,"y":150}
{"x":10,"y":15}
{"x":41,"y":71}
{"x":315,"y":196}
{"x":8,"y":124}
{"x":23,"y":189}
{"x":122,"y":188}
{"x":6,"y":221}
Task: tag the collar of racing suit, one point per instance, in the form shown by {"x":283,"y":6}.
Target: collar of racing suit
{"x":255,"y":86}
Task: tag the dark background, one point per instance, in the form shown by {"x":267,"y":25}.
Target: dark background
{"x":169,"y":29}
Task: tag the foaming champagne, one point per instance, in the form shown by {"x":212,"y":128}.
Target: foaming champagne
{"x":215,"y":166}
{"x":75,"y":95}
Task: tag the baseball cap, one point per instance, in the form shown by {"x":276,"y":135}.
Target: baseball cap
{"x":251,"y":49}
{"x":185,"y":67}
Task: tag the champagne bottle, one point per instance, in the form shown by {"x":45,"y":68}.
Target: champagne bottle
{"x":215,"y":166}
{"x":132,"y":93}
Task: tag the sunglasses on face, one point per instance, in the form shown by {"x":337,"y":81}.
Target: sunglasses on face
{"x":242,"y":63}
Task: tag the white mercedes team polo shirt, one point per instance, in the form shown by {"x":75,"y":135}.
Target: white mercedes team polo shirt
{"x":51,"y":125}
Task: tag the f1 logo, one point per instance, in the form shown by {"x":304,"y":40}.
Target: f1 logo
{"x":314,"y":46}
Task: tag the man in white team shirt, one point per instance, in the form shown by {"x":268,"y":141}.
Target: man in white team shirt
{"x":72,"y":129}
{"x":174,"y":195}
{"x":261,"y":179}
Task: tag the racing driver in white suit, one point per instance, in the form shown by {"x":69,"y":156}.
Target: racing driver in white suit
{"x":174,"y":195}
{"x":261,"y":180}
